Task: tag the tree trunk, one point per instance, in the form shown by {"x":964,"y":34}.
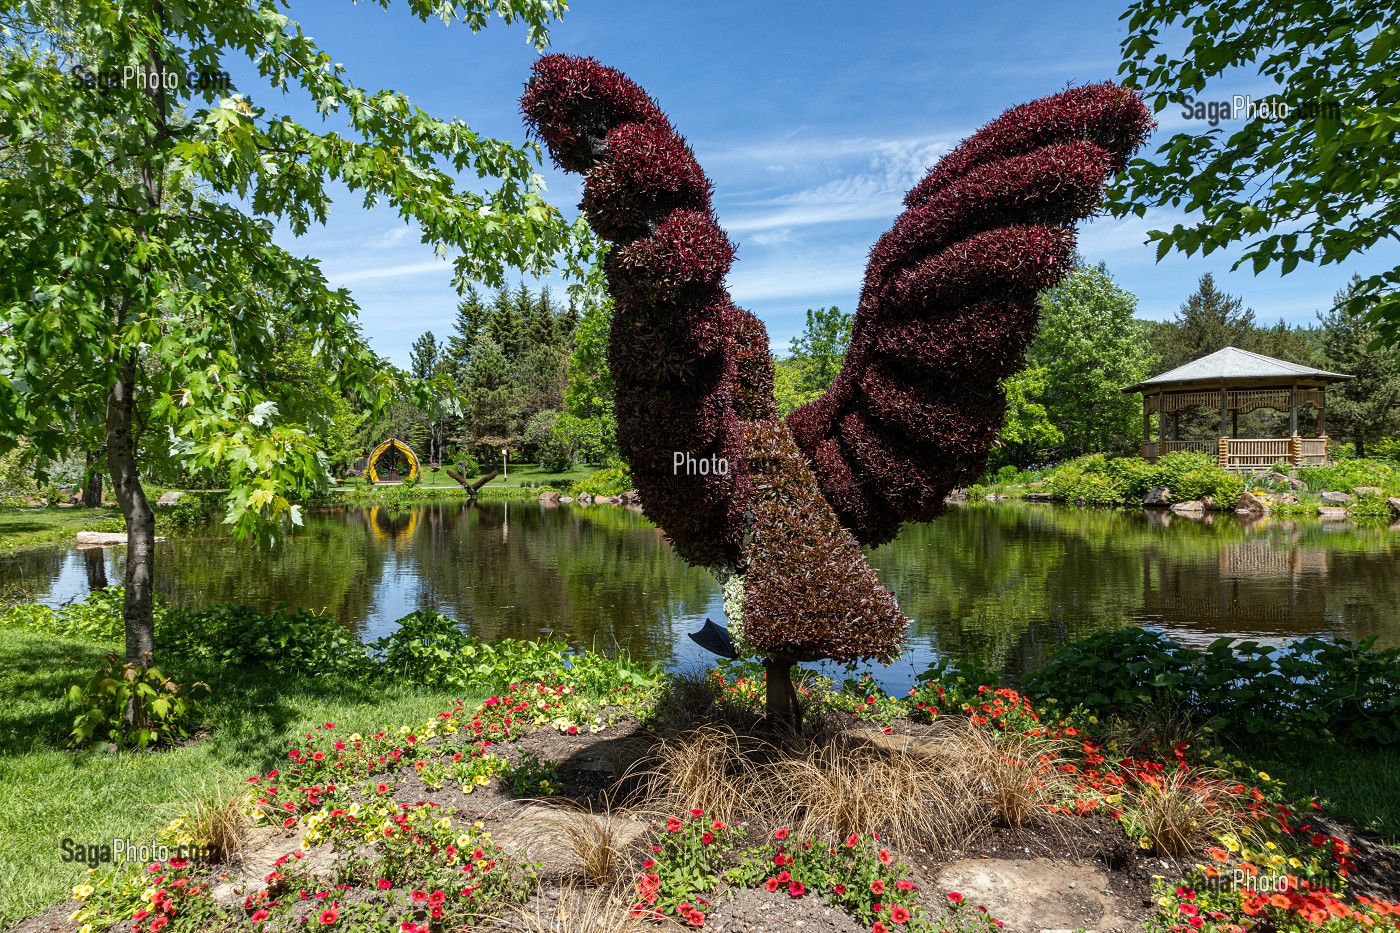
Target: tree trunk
{"x":136,"y":509}
{"x":92,"y":491}
{"x":96,"y":559}
{"x":783,"y":713}
{"x":1360,"y":447}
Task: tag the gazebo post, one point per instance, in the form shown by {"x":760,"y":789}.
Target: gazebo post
{"x":1293,"y":411}
{"x":1224,"y":432}
{"x":1161,"y":423}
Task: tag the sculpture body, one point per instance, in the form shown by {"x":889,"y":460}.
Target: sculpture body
{"x":947,"y":308}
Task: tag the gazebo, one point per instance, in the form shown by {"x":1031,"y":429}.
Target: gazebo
{"x":1233,"y":381}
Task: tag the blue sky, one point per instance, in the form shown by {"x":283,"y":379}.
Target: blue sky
{"x":812,"y":119}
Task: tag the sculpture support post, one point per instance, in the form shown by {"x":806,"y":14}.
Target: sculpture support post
{"x":783,"y":712}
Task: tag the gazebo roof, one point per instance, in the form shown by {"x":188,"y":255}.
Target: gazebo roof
{"x":1235,"y":366}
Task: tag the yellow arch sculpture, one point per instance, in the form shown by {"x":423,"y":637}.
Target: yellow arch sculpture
{"x":393,"y":443}
{"x":383,"y":530}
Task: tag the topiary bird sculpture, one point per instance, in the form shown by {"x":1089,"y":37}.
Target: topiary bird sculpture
{"x":947,"y":308}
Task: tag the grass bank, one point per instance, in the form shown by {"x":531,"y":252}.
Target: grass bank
{"x":22,"y":528}
{"x":48,"y":794}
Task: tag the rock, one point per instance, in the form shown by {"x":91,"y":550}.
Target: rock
{"x":1038,"y":894}
{"x":610,"y":500}
{"x":1194,"y":507}
{"x":1037,"y":484}
{"x":1277,"y":477}
{"x":957,"y":495}
{"x":34,"y":502}
{"x":1394,"y":506}
{"x":1286,"y":499}
{"x":170,"y":498}
{"x":1038,"y":497}
{"x":1368,"y":491}
{"x":1336,"y":498}
{"x":1252,"y":504}
{"x":994,"y":497}
{"x":1297,"y":484}
{"x":104,"y":538}
{"x":1331,"y":513}
{"x":65,"y":505}
{"x":585,"y":498}
{"x":1208,"y":502}
{"x":1158,"y":497}
{"x":565,"y":499}
{"x":549,"y":495}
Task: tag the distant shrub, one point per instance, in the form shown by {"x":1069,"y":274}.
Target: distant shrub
{"x":1311,"y":687}
{"x":1346,"y":475}
{"x":127,"y":706}
{"x":1101,"y":480}
{"x":609,"y":481}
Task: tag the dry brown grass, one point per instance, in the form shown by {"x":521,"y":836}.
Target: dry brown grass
{"x":707,"y":768}
{"x":1180,"y":812}
{"x":216,"y":821}
{"x":1018,"y":775}
{"x":911,"y":791}
{"x":598,"y":845}
{"x":577,"y":911}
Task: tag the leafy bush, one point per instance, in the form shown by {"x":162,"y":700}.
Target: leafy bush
{"x":196,"y":507}
{"x":1346,"y":475}
{"x":286,"y":640}
{"x":1100,"y":480}
{"x":161,"y":712}
{"x":610,"y":481}
{"x":1315,"y":688}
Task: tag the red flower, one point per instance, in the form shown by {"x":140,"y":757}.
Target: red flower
{"x":780,"y":834}
{"x":697,"y":813}
{"x":885,"y":857}
{"x":899,"y":914}
{"x":839,"y":888}
{"x":877,"y":886}
{"x":673,"y":825}
{"x":329,"y":915}
{"x":771,"y":885}
{"x":385,"y":884}
{"x":260,"y":915}
{"x":955,"y":897}
{"x":706,"y":838}
{"x":797,"y":889}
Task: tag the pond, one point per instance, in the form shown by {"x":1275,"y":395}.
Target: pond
{"x":1005,"y":584}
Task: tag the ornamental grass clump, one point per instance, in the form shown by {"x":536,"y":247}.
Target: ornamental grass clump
{"x":576,"y":911}
{"x":708,"y":769}
{"x":1020,"y":776}
{"x":1181,"y":811}
{"x":599,"y":845}
{"x":947,"y":309}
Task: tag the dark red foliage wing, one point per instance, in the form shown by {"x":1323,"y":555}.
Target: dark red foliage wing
{"x":949,"y":304}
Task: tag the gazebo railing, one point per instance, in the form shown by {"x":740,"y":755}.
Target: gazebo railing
{"x":1255,"y":453}
{"x":1248,"y":454}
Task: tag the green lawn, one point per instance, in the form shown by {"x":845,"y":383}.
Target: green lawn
{"x":1357,"y":784}
{"x":26,"y":528}
{"x":48,"y":794}
{"x":520,"y":476}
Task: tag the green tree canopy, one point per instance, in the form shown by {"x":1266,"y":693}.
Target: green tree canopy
{"x":137,"y":259}
{"x":1087,"y":348}
{"x":1368,"y":407}
{"x":1318,"y":184}
{"x":814,"y":358}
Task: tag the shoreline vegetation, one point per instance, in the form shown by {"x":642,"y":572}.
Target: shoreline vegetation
{"x":1192,"y":484}
{"x":360,"y":775}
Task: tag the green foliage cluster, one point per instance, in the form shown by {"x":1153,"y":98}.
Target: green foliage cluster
{"x":609,"y":481}
{"x":1313,"y":688}
{"x":125,"y":706}
{"x":1346,"y":475}
{"x":814,"y":358}
{"x":1103,"y":480}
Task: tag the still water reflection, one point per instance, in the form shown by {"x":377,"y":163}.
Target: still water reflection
{"x":1005,"y":584}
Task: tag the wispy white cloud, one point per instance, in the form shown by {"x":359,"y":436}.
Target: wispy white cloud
{"x":351,"y":277}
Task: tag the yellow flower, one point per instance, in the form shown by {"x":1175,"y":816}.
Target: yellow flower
{"x":82,"y":892}
{"x":1294,"y":863}
{"x":1145,"y":842}
{"x":1231,"y":844}
{"x":482,"y":780}
{"x":444,"y":823}
{"x":478,"y":825}
{"x":1270,"y":845}
{"x":1263,"y":776}
{"x":354,"y":736}
{"x":463,"y":841}
{"x":1094,"y":720}
{"x":1164,"y":901}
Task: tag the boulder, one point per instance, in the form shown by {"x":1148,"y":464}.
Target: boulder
{"x":549,"y":495}
{"x":88,"y":539}
{"x":994,"y":497}
{"x":1368,"y":491}
{"x":1158,"y":497}
{"x":610,"y":500}
{"x":1194,"y":507}
{"x":1297,"y":484}
{"x":1208,"y":502}
{"x":1252,"y":504}
{"x":1277,"y":477}
{"x":1336,"y":499}
{"x":170,"y":498}
{"x":565,"y":499}
{"x":1286,"y":499}
{"x":1394,"y":506}
{"x":1038,"y":497}
{"x":1331,"y":513}
{"x":585,"y":498}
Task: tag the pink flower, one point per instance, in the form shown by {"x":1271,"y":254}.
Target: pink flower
{"x":797,"y":889}
{"x":955,"y":897}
